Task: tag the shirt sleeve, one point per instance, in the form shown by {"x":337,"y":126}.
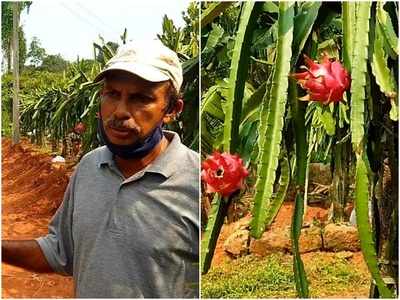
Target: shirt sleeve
{"x":58,"y":245}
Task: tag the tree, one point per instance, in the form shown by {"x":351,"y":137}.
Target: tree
{"x":54,"y":63}
{"x":36,"y":53}
{"x":6,"y":33}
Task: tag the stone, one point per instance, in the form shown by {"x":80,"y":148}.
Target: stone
{"x":310,"y":239}
{"x":242,"y":223}
{"x":273,"y":241}
{"x":270,"y":242}
{"x":236,"y":243}
{"x":340,"y":237}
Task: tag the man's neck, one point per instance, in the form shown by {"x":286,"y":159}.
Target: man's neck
{"x":129,"y":167}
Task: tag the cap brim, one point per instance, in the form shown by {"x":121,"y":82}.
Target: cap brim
{"x":146,"y":72}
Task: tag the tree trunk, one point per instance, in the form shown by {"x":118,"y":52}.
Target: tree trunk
{"x":15,"y":128}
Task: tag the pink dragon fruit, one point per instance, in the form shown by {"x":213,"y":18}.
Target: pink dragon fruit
{"x":223,"y":173}
{"x":325,"y":82}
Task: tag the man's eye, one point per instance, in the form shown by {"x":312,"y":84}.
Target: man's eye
{"x":141,"y":98}
{"x":112,"y":94}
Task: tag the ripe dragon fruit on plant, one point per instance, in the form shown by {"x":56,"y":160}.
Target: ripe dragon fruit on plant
{"x":80,"y":128}
{"x":325,"y":82}
{"x":223,"y":173}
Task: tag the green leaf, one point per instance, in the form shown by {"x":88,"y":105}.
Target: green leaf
{"x":298,"y":266}
{"x":303,"y":23}
{"x":270,"y":7}
{"x":379,"y":66}
{"x":394,"y":111}
{"x":348,"y":23}
{"x":252,"y":105}
{"x":214,"y":37}
{"x":358,"y":75}
{"x":269,"y":151}
{"x":277,"y":199}
{"x":59,"y":112}
{"x":299,"y":110}
{"x":248,"y":140}
{"x":209,"y":241}
{"x":386,"y":26}
{"x":211,"y":103}
{"x":263,"y":125}
{"x":213,"y":11}
{"x":364,"y":228}
{"x":328,"y":122}
{"x":238,"y":74}
{"x":93,"y":99}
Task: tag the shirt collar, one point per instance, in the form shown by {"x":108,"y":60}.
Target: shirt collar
{"x":165,"y":164}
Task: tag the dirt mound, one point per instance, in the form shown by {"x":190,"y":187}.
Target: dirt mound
{"x":28,"y":174}
{"x":32,"y":190}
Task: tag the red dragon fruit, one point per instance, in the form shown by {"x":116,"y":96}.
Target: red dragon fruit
{"x":80,"y":128}
{"x":325,"y":82}
{"x":223,"y":173}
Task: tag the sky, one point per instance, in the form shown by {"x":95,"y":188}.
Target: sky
{"x":69,"y":28}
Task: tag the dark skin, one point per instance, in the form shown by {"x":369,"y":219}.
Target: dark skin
{"x":137,"y":107}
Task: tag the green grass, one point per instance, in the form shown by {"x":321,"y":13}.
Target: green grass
{"x":272,"y":277}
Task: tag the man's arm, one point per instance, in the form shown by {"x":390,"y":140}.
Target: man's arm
{"x":26,"y":254}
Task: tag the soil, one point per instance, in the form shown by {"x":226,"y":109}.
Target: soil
{"x":32,"y":190}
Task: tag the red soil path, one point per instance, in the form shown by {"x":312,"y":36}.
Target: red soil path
{"x":32,"y":189}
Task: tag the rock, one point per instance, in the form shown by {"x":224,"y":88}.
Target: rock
{"x":270,"y":242}
{"x":341,"y":237}
{"x":243,"y":223}
{"x":310,"y":239}
{"x":236,"y":243}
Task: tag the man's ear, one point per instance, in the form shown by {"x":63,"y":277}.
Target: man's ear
{"x":173,"y":112}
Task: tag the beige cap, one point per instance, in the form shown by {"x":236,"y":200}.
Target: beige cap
{"x":150,"y":60}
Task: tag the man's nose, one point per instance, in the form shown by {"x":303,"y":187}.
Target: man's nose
{"x":122,"y":111}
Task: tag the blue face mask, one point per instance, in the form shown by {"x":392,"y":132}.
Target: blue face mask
{"x":136,"y":150}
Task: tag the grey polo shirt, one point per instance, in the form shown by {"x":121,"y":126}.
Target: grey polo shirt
{"x":129,"y":237}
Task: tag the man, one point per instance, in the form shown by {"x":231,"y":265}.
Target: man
{"x":128,"y":225}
